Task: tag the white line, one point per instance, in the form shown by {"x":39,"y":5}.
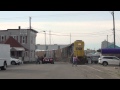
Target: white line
{"x":95,"y":69}
{"x":94,"y":74}
{"x":99,"y":76}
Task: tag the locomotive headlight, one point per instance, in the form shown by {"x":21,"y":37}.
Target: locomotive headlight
{"x":79,"y":44}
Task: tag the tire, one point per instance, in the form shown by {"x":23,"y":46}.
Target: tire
{"x":42,"y":62}
{"x":105,"y":63}
{"x":13,"y":63}
{"x":96,"y":62}
{"x":4,"y":67}
{"x":52,"y":63}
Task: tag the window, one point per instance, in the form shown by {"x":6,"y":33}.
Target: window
{"x":46,"y":47}
{"x":115,"y":58}
{"x":2,"y":38}
{"x":58,"y":47}
{"x":23,"y":39}
{"x":31,"y":40}
{"x":107,"y":57}
{"x":26,"y":39}
{"x":15,"y":37}
{"x":26,"y":54}
{"x":20,"y":39}
{"x":31,"y":54}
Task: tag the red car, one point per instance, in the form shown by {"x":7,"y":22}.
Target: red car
{"x":48,"y":60}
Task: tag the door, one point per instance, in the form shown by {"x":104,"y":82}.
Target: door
{"x":108,"y":59}
{"x":116,"y":61}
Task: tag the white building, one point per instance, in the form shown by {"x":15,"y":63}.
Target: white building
{"x":49,"y":47}
{"x":105,"y":44}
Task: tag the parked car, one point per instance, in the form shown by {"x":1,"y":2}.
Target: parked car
{"x":15,"y":61}
{"x":109,"y":60}
{"x":20,"y":61}
{"x":48,"y":60}
{"x":89,"y":60}
{"x":94,"y":59}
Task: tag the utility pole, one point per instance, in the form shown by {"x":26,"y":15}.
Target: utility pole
{"x":45,"y":40}
{"x":70,"y":38}
{"x":107,"y":41}
{"x":113,"y":26}
{"x":29,"y":37}
{"x":50,"y":36}
{"x":30,"y":22}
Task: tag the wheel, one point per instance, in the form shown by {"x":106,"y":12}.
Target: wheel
{"x":13,"y":63}
{"x":96,"y":62}
{"x":52,"y":63}
{"x":4,"y":67}
{"x":105,"y":63}
{"x":42,"y":62}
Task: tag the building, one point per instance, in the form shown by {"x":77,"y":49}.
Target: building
{"x":49,"y":47}
{"x":106,"y":44}
{"x":22,"y":42}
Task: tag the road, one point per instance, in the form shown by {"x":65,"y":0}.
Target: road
{"x":60,"y":70}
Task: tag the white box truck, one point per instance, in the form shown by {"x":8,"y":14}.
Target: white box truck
{"x":4,"y":56}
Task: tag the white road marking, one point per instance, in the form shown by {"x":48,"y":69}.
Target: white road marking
{"x":95,"y":69}
{"x":92,"y":73}
{"x":99,"y":77}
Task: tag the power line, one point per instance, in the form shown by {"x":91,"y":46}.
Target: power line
{"x":86,"y":33}
{"x":90,"y":35}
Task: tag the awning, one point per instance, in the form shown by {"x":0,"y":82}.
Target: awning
{"x":17,"y":49}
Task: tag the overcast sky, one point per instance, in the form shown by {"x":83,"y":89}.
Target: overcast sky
{"x":90,"y":26}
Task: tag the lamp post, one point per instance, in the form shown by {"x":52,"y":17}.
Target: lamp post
{"x":45,"y":40}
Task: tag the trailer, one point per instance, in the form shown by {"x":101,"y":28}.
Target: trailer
{"x":111,"y":52}
{"x":4,"y":56}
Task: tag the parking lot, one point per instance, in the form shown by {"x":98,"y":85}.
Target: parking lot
{"x":60,"y":70}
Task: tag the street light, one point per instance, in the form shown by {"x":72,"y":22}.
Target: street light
{"x":113,"y":26}
{"x":45,"y":39}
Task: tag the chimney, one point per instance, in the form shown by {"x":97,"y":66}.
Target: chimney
{"x":18,"y":27}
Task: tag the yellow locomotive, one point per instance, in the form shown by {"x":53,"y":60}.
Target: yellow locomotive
{"x":75,"y":49}
{"x":78,"y":49}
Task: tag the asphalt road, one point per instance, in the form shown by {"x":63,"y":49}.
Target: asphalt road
{"x":60,"y":70}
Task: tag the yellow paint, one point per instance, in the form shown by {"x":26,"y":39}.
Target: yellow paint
{"x":79,"y":48}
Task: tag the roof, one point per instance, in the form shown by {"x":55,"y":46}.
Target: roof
{"x":3,"y":30}
{"x":33,"y":30}
{"x":25,"y":29}
{"x":13,"y":43}
{"x":112,"y":46}
{"x":17,"y":49}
